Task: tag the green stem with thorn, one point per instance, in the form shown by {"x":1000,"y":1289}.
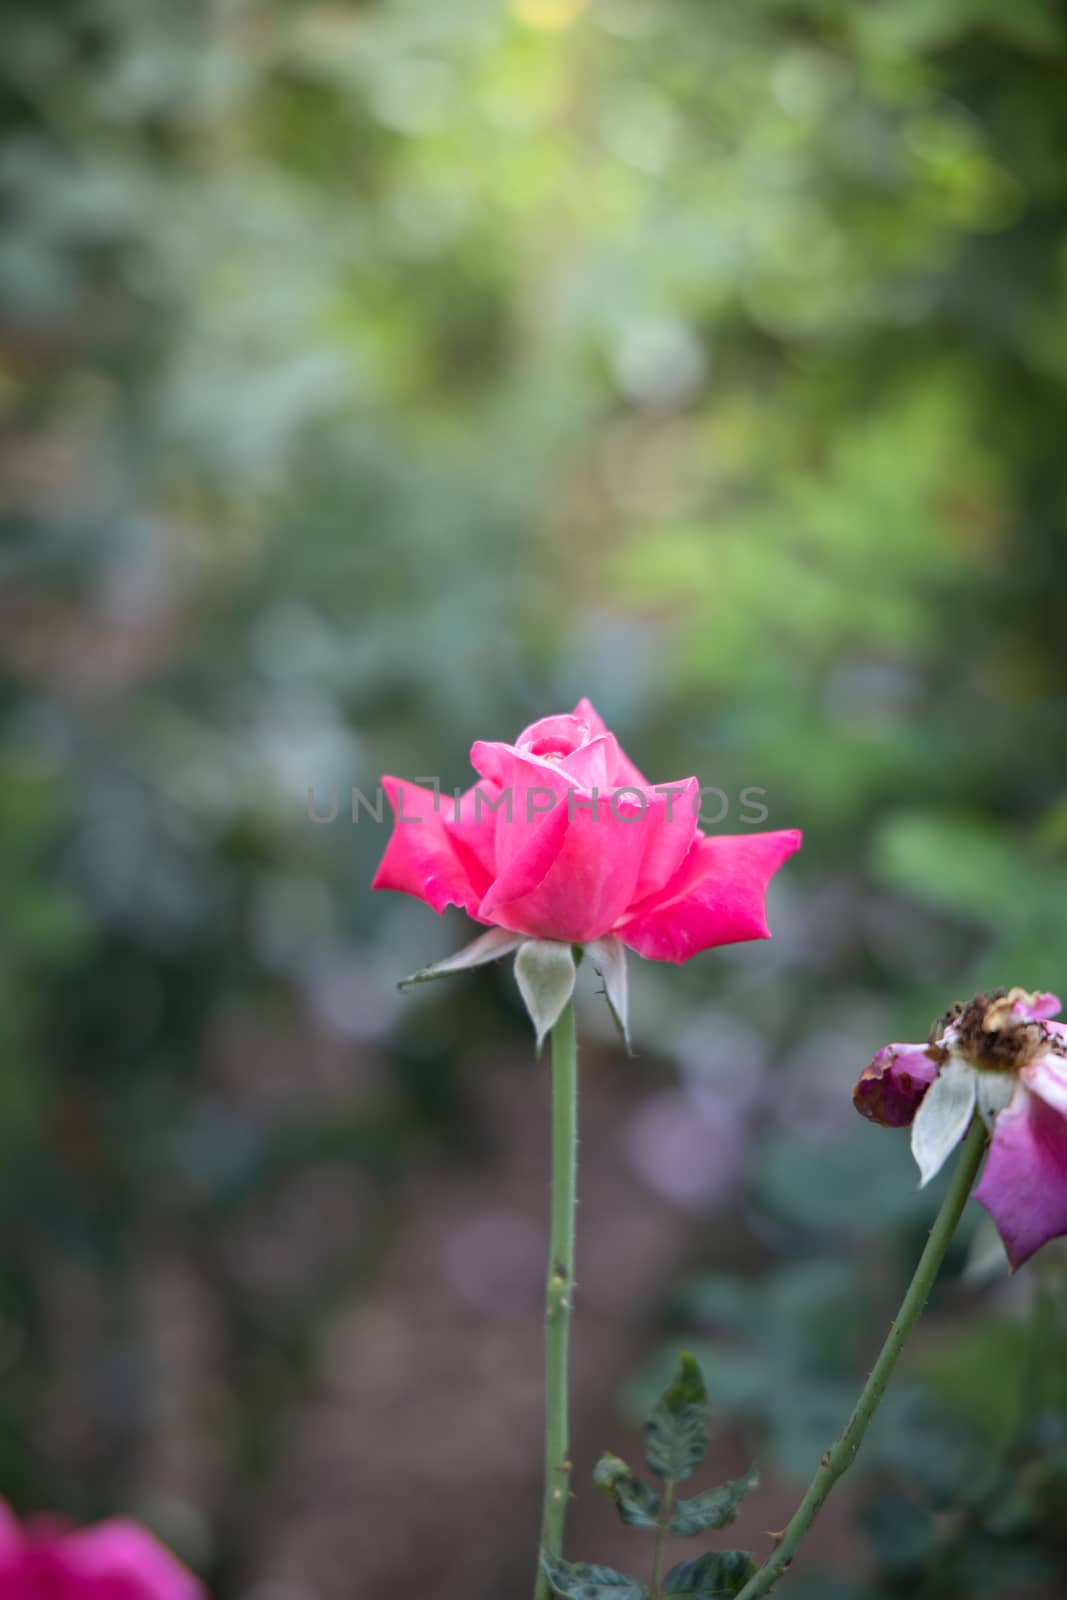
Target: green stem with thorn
{"x":841,"y":1455}
{"x":663,"y":1522}
{"x":559,"y":1290}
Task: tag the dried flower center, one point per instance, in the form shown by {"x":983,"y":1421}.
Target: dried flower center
{"x":991,"y":1032}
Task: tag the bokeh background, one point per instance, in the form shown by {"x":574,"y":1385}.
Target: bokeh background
{"x":378,"y":377}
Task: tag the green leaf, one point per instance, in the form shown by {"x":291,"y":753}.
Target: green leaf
{"x":637,"y":1504}
{"x":716,"y":1508}
{"x":676,"y":1433}
{"x":715,"y":1576}
{"x":545,"y":973}
{"x":579,"y":1581}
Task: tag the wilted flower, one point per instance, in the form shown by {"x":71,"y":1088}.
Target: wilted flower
{"x":563,"y":840}
{"x":1003,"y":1058}
{"x":115,"y":1560}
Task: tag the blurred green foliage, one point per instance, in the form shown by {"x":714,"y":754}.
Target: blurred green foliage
{"x":374,"y":377}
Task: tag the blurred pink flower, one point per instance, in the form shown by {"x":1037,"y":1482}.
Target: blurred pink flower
{"x":563,"y":839}
{"x":115,"y":1560}
{"x":1003,"y":1058}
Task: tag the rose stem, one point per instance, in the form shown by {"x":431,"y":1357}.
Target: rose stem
{"x":841,"y":1455}
{"x":559,"y":1290}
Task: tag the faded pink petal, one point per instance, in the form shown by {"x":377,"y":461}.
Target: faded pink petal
{"x":1040,"y":1008}
{"x":421,"y":858}
{"x":1047,"y":1077}
{"x":718,"y":896}
{"x":890,"y":1090}
{"x":1024,"y":1185}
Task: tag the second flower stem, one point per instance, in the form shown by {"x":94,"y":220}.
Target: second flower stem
{"x":841,"y":1455}
{"x":559,"y":1290}
{"x":663,"y":1525}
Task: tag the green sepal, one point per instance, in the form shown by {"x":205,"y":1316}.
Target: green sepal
{"x":579,"y":1581}
{"x":715,"y":1576}
{"x":545,"y":971}
{"x":715,"y":1508}
{"x":676,"y":1433}
{"x":636,"y":1503}
{"x":608,"y":956}
{"x":487,"y":947}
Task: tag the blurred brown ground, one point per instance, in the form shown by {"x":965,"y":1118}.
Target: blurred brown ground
{"x":410,"y":1462}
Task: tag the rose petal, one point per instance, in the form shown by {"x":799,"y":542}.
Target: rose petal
{"x":11,"y":1548}
{"x":556,"y":736}
{"x":533,"y":791}
{"x":117,"y":1560}
{"x":594,"y":766}
{"x":421,"y":858}
{"x":574,"y":879}
{"x":718,"y":896}
{"x":1024,"y":1185}
{"x":470,"y":823}
{"x":625,"y":771}
{"x":890,"y":1090}
{"x":1047,"y":1077}
{"x":670,"y":829}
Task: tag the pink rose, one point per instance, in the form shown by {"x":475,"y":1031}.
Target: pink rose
{"x":114,"y":1560}
{"x":999,"y":1057}
{"x":564,"y":843}
{"x":563,"y":839}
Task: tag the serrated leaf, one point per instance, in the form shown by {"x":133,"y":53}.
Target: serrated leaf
{"x":676,"y":1433}
{"x":715,"y":1576}
{"x":579,"y":1581}
{"x":636,"y":1503}
{"x":487,"y":947}
{"x":545,"y":973}
{"x":716,"y":1508}
{"x":609,"y":959}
